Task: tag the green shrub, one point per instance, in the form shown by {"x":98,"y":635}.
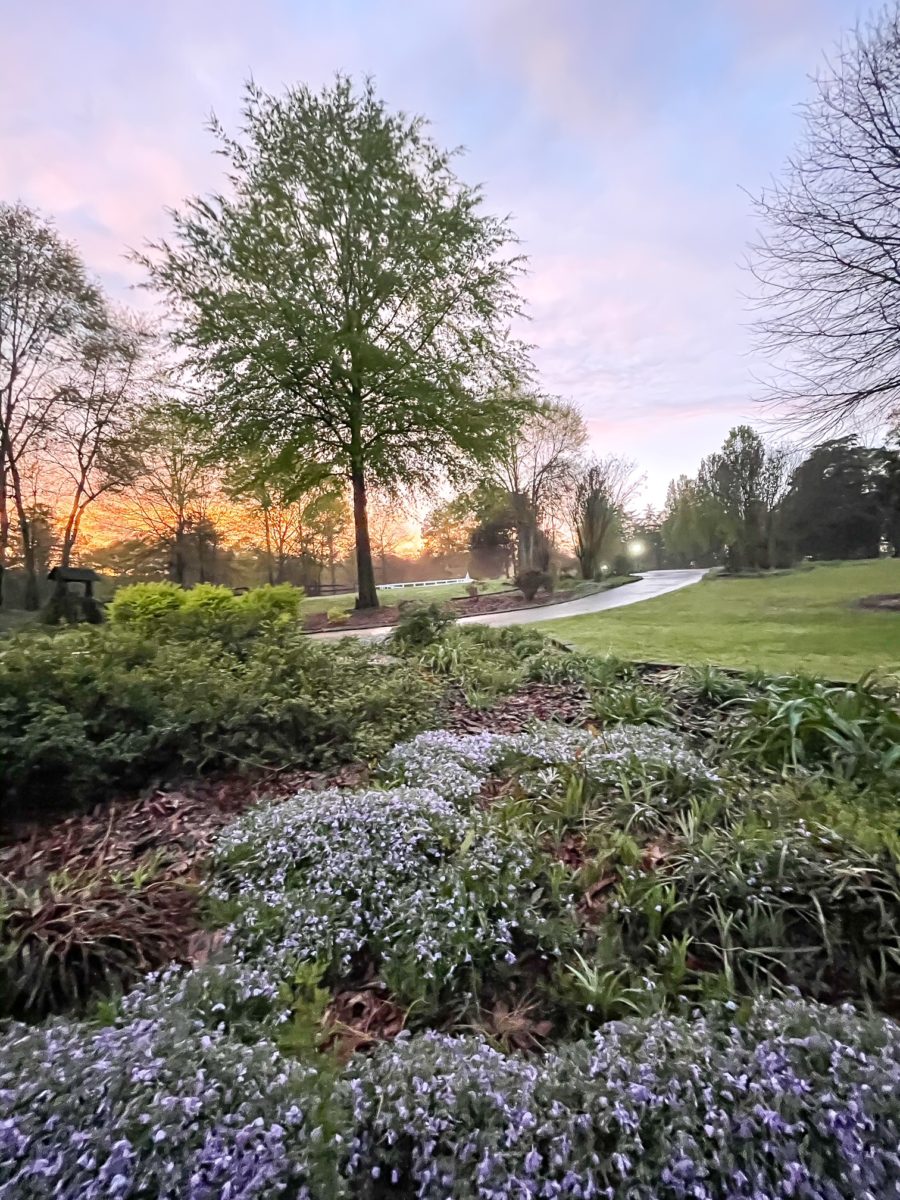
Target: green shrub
{"x":149,"y":606}
{"x":89,"y":711}
{"x":271,"y":602}
{"x":210,"y":610}
{"x":532,"y":581}
{"x":420,"y":625}
{"x":338,"y":616}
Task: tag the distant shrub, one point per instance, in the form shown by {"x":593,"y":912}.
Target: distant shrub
{"x":338,"y":616}
{"x":271,"y":602}
{"x":148,"y":606}
{"x":210,"y":610}
{"x":206,"y":610}
{"x":531,"y":582}
{"x":421,"y":624}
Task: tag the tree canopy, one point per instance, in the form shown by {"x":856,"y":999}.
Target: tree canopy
{"x":347,"y":299}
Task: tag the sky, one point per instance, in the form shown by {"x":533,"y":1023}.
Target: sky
{"x":621,"y":138}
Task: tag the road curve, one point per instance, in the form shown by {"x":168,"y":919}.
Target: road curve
{"x":650,"y":584}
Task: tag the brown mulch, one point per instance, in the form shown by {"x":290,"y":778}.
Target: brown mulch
{"x":564,"y":702}
{"x":178,"y":825}
{"x":461,"y":606}
{"x":888,"y":602}
{"x":358,"y":1018}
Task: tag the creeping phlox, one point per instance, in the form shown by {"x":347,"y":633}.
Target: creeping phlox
{"x":403,"y":875}
{"x":164,"y":1108}
{"x":790,"y":1101}
{"x":456,"y":766}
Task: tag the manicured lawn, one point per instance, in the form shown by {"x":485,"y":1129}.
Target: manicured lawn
{"x":804,"y":621}
{"x":440,"y":592}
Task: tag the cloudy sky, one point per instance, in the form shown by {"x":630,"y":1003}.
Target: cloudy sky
{"x":621,"y":137}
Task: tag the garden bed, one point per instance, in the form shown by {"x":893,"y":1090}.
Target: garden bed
{"x":596,"y":931}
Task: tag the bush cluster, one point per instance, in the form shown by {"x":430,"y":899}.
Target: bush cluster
{"x":92,"y":710}
{"x":207,"y":610}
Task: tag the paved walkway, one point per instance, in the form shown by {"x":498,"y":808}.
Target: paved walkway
{"x":650,"y":584}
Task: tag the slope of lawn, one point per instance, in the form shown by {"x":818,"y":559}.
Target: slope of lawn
{"x":802,"y":621}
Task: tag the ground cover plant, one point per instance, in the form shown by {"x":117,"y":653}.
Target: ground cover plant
{"x":648,"y":949}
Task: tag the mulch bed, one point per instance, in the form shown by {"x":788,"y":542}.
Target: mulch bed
{"x":462,"y":606}
{"x":178,"y":825}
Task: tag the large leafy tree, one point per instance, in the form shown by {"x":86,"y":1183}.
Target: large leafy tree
{"x":347,"y":298}
{"x":834,"y":508}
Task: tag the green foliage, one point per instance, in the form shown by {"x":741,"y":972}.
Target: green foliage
{"x":271,"y":602}
{"x":532,"y":581}
{"x":337,"y":616}
{"x":850,"y":732}
{"x":631,"y":704}
{"x":339,"y":217}
{"x":207,"y":610}
{"x":420,"y":625}
{"x":149,"y":606}
{"x":88,"y":711}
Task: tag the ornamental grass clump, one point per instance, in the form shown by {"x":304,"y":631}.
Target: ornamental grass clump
{"x":400,"y":879}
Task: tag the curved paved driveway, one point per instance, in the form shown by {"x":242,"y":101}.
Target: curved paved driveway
{"x":650,"y":584}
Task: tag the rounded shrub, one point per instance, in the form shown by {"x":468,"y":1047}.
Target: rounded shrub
{"x":148,"y":606}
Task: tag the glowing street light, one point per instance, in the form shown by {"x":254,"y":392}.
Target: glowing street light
{"x":636,"y":549}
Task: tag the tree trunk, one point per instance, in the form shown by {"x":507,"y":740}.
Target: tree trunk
{"x":4,"y":526}
{"x":270,"y":571}
{"x":367,"y":595}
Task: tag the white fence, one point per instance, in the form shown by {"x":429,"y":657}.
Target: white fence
{"x":386,"y":587}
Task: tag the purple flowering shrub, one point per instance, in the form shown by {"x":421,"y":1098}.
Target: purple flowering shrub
{"x":456,"y":765}
{"x":156,"y":1107}
{"x":402,"y":878}
{"x":781,"y":1099}
{"x":789,"y":1101}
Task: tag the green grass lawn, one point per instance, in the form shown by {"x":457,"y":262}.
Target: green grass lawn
{"x":802,"y":621}
{"x":440,"y":592}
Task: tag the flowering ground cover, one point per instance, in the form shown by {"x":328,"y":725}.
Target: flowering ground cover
{"x":648,"y":950}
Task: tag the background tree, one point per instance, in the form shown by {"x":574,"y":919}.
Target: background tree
{"x":536,"y":467}
{"x":348,"y":300}
{"x":734,"y":480}
{"x":91,"y":440}
{"x":833,"y":509}
{"x":388,"y":529}
{"x":447,"y":528}
{"x":47,"y":307}
{"x":600,"y":499}
{"x":691,"y":526}
{"x":828,"y":258}
{"x":169,"y":505}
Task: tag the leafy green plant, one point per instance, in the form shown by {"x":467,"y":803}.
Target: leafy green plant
{"x":149,"y":606}
{"x":420,"y":625}
{"x":337,"y":616}
{"x":850,"y":731}
{"x":631,"y":704}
